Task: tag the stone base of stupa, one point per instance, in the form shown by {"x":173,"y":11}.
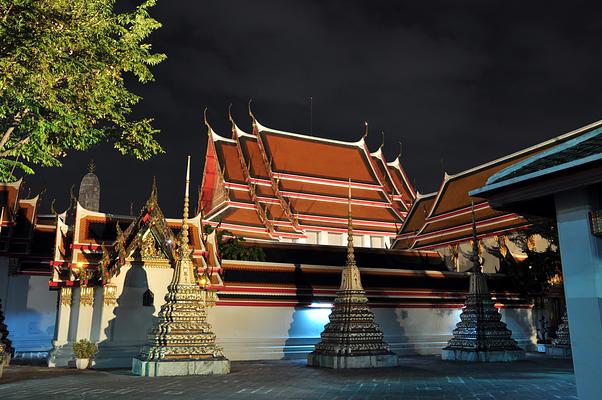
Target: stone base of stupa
{"x":216,"y":366}
{"x":482,"y":356}
{"x":559,"y":351}
{"x":348,"y":362}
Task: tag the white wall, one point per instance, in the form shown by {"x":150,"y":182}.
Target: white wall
{"x":30,"y":310}
{"x":251,"y":333}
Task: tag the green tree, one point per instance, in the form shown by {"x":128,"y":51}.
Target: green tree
{"x":233,"y":247}
{"x":62,"y":70}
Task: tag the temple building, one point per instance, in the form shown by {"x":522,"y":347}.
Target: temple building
{"x":273,"y":185}
{"x":441,"y":221}
{"x":89,"y":273}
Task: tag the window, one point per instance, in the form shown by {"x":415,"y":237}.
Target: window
{"x":377,"y":242}
{"x":358,"y":240}
{"x":312,"y":237}
{"x":148,"y":299}
{"x":335,"y":239}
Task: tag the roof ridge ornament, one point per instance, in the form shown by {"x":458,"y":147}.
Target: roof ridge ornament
{"x":234,"y":127}
{"x":400,"y":150}
{"x":382,"y":143}
{"x":252,"y":116}
{"x":152,"y":199}
{"x":230,"y":114}
{"x":205,"y":118}
{"x":91,"y":166}
{"x":365,"y":130}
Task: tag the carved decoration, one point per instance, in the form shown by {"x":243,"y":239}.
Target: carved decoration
{"x":66,"y":296}
{"x":86,"y":296}
{"x":109,"y":294}
{"x":148,"y":248}
{"x":563,"y":336}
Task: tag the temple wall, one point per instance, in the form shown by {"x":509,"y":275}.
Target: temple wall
{"x":249,"y":332}
{"x":30,"y":311}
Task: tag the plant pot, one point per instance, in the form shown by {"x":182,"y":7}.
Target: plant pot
{"x":82,"y":363}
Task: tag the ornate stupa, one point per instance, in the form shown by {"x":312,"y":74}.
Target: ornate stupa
{"x":89,"y":190}
{"x":481,"y":335}
{"x":182,"y":342}
{"x":351,"y":339}
{"x":6,"y":348}
{"x":561,"y":345}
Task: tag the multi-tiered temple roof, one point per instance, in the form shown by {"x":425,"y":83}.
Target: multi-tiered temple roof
{"x":443,"y":218}
{"x":273,"y":185}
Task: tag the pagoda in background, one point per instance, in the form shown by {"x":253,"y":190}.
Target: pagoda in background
{"x":181,"y":341}
{"x":351,"y":339}
{"x":481,"y":335}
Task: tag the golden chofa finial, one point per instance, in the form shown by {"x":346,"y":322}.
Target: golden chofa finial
{"x":230,"y":114}
{"x":234,"y":133}
{"x":400,"y":150}
{"x":382,"y":142}
{"x":205,"y":117}
{"x":253,"y":120}
{"x":365,"y":130}
{"x":249,"y":109}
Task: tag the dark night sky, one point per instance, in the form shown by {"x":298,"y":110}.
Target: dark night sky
{"x":459,"y":83}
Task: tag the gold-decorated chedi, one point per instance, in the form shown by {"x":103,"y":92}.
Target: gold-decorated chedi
{"x":182,"y":342}
{"x":351,"y":339}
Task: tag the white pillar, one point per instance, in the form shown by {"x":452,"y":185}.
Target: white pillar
{"x":581,"y":255}
{"x":323,"y":237}
{"x":367,"y":241}
{"x":61,"y":335}
{"x":109,"y":301}
{"x":84,"y":320}
{"x":63,"y":316}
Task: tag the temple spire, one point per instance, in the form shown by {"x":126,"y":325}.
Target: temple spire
{"x":351,"y":339}
{"x":184,"y":248}
{"x":350,"y":251}
{"x":475,"y":258}
{"x":153,"y":194}
{"x":181,"y":341}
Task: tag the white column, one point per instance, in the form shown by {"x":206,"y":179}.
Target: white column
{"x":84,"y":320}
{"x":109,"y":301}
{"x":63,"y":321}
{"x":367,"y":241}
{"x":63,"y":316}
{"x":323,"y":237}
{"x":581,"y":255}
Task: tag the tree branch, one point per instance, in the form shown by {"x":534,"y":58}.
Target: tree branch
{"x":9,"y":131}
{"x":16,"y":146}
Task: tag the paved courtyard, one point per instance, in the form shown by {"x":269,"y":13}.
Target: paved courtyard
{"x":422,"y":377}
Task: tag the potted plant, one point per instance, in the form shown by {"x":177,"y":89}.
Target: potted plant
{"x":84,"y":350}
